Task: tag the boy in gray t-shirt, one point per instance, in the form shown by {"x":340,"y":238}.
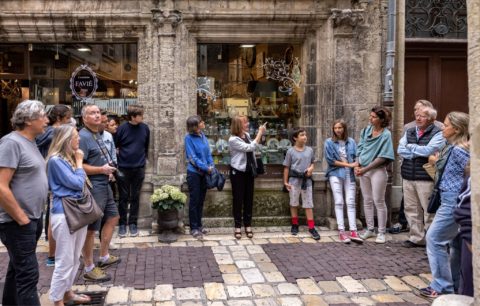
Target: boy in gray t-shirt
{"x":298,"y":169}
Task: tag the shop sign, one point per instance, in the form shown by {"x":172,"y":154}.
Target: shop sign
{"x":83,"y":82}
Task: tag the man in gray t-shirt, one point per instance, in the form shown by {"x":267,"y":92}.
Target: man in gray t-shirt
{"x":23,"y":191}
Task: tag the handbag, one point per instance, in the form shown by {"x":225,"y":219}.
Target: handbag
{"x":81,"y":212}
{"x":260,"y":166}
{"x":435,"y":200}
{"x":215,"y":179}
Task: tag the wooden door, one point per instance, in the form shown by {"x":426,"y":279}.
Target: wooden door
{"x":436,"y":72}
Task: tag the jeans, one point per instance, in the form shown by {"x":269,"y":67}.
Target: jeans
{"x":373,"y":185}
{"x":338,"y":186}
{"x":242,"y":192}
{"x":197,"y":187}
{"x":129,"y":186}
{"x":440,"y":234}
{"x":22,"y":275}
{"x":466,"y":283}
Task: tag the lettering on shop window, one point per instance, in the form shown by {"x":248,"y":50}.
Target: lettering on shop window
{"x":83,"y":83}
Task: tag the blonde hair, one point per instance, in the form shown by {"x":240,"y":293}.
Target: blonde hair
{"x":236,"y":127}
{"x":459,"y":121}
{"x":62,"y":144}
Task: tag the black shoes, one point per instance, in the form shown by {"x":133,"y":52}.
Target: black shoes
{"x":409,"y":244}
{"x":294,"y":229}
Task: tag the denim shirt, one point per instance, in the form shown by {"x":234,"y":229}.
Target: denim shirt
{"x":332,"y":154}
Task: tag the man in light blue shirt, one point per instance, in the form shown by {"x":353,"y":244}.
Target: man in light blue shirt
{"x":419,"y":142}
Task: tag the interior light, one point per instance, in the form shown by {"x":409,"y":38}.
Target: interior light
{"x":84,"y":49}
{"x":247,"y":46}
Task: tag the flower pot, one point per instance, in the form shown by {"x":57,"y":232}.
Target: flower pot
{"x":167,"y":219}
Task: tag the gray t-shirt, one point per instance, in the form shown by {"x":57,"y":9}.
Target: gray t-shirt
{"x":90,"y":144}
{"x":29,"y":183}
{"x":299,"y":161}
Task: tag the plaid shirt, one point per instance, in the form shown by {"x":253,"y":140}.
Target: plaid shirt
{"x":454,"y":174}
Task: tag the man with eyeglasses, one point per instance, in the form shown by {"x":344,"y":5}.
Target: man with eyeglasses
{"x":23,"y":192}
{"x":417,"y":143}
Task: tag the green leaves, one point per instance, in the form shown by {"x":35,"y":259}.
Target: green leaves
{"x":168,"y":197}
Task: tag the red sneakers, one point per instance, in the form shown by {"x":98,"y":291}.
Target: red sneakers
{"x":343,"y":237}
{"x":355,"y":238}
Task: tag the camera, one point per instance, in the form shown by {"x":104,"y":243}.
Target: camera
{"x":118,"y":174}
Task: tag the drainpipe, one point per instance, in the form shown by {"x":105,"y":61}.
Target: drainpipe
{"x":390,"y":55}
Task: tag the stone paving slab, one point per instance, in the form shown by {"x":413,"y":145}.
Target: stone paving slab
{"x":327,"y":261}
{"x":146,"y":268}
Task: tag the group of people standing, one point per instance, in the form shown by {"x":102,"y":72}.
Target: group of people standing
{"x":45,"y":160}
{"x":426,"y":143}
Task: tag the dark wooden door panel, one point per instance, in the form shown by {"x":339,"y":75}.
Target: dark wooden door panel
{"x":417,"y":84}
{"x":438,"y":73}
{"x":453,"y":87}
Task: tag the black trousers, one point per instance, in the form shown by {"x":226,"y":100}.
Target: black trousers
{"x":22,"y":274}
{"x":129,"y":186}
{"x":242,"y":191}
{"x":466,"y":270}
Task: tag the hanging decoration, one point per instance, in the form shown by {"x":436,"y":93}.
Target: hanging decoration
{"x":287,"y":74}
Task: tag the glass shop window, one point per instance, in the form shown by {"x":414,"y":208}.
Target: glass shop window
{"x":261,"y":81}
{"x":44,"y":72}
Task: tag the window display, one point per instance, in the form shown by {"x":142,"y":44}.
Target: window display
{"x":260,"y":81}
{"x":45,"y":72}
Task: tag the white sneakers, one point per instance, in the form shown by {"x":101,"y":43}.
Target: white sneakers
{"x":370,"y":234}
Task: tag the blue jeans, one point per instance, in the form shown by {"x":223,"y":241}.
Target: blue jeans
{"x":22,"y":275}
{"x":440,"y":235}
{"x":197,"y":187}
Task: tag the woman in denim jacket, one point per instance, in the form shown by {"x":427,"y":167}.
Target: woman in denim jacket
{"x":443,"y":229}
{"x":340,"y":153}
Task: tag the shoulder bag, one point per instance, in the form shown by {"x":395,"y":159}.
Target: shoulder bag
{"x":81,"y":212}
{"x":434,"y":201}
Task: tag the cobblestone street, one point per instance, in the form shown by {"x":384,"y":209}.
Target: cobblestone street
{"x":273,"y":268}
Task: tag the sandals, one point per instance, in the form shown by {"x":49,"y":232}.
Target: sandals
{"x":249,"y":233}
{"x":78,"y":299}
{"x":238,"y":233}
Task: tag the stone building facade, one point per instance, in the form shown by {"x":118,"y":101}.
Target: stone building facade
{"x":342,"y":50}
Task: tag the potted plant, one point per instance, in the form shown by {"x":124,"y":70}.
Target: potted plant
{"x":168,"y":201}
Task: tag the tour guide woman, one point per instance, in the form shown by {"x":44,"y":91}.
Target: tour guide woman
{"x":242,"y":152}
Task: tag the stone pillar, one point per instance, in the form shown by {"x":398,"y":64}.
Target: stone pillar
{"x":473,"y":9}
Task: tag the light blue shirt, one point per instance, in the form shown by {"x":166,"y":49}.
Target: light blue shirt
{"x":413,"y":150}
{"x":64,"y":182}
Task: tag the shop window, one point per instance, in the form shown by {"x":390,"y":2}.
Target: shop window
{"x":261,"y":81}
{"x":43,"y":72}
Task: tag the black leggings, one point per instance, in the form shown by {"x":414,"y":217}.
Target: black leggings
{"x":242,"y":191}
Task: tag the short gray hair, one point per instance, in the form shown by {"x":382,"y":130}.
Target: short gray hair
{"x":431,"y":112}
{"x":28,"y":110}
{"x":87,"y":106}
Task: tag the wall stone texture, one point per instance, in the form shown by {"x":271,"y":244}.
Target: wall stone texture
{"x":342,"y":58}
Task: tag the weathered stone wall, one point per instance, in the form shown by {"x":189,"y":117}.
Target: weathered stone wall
{"x":474,"y":106}
{"x":342,"y":68}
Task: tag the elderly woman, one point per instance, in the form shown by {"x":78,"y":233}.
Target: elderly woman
{"x":444,"y":229}
{"x":66,"y":178}
{"x":200,"y":163}
{"x":242,"y":150}
{"x":374,"y":152}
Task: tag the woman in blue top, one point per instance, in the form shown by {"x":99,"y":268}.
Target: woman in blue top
{"x":374,"y":152}
{"x":66,"y":178}
{"x":200,"y":162}
{"x":340,"y":153}
{"x":443,"y":229}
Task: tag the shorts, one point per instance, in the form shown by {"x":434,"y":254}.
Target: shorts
{"x":103,"y":195}
{"x":307,"y":196}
